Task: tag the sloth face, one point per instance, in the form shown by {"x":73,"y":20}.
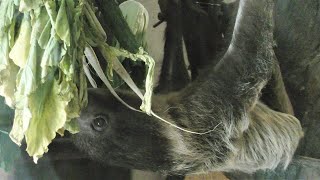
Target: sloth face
{"x":112,"y":134}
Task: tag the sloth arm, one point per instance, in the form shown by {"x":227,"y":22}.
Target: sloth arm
{"x":235,"y":83}
{"x":248,"y":135}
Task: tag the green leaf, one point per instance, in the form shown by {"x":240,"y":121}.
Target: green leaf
{"x":7,"y":10}
{"x":51,"y":9}
{"x":94,"y":24}
{"x":51,"y":57}
{"x":27,"y":5}
{"x":21,"y":122}
{"x":28,"y":80}
{"x":48,"y":116}
{"x":41,"y":20}
{"x":8,"y":70}
{"x":45,"y":36}
{"x":29,"y":76}
{"x":20,"y":51}
{"x":72,"y":126}
{"x":6,"y":20}
{"x":67,"y":67}
{"x":150,"y":63}
{"x":62,"y":24}
{"x":69,"y":92}
{"x":8,"y":83}
{"x":137,"y":18}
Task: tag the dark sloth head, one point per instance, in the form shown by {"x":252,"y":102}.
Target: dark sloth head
{"x":113,"y":134}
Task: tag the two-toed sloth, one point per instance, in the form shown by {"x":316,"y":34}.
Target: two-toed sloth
{"x":247,"y":135}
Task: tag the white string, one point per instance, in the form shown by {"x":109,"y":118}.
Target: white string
{"x":88,"y":74}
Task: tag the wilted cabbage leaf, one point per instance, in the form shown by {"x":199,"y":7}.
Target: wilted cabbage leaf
{"x":7,"y":69}
{"x":42,"y":45}
{"x":40,"y":51}
{"x":20,"y":51}
{"x":44,"y":124}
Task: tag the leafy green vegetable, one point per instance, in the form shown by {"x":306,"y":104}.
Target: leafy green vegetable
{"x":38,"y":69}
{"x":27,"y":5}
{"x":44,"y":124}
{"x":137,"y":18}
{"x":7,"y":69}
{"x":142,"y":56}
{"x":8,"y":83}
{"x":20,"y":51}
{"x":62,"y":24}
{"x":42,"y":65}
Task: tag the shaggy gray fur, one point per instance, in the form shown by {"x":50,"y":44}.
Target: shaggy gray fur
{"x":249,"y":135}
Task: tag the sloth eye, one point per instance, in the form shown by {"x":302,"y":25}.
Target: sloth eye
{"x":99,"y":123}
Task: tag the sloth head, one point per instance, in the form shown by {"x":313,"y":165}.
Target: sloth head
{"x":113,"y":134}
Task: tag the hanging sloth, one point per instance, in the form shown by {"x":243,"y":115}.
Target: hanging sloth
{"x":246,"y":134}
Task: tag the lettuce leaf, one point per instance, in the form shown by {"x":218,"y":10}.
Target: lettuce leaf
{"x":28,"y":81}
{"x":27,"y":5}
{"x":44,"y":123}
{"x":44,"y":71}
{"x":137,"y":18}
{"x":8,"y":70}
{"x":62,"y":24}
{"x":8,"y":85}
{"x":20,"y":51}
{"x":42,"y":78}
